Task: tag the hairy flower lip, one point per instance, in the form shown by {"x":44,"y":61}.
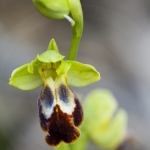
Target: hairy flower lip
{"x":61,"y":127}
{"x":58,"y":104}
{"x":60,"y":112}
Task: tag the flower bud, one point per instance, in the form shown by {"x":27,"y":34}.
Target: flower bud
{"x":53,"y":9}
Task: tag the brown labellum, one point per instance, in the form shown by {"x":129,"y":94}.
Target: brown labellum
{"x":60,"y":113}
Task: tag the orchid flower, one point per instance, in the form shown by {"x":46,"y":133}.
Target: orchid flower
{"x":60,"y":112}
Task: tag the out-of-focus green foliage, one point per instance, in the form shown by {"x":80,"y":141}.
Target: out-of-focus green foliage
{"x":104,"y":123}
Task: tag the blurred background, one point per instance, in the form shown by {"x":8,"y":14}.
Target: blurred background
{"x":116,"y":40}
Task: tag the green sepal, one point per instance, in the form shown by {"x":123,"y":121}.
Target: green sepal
{"x":24,"y":80}
{"x":53,"y":46}
{"x":52,"y":9}
{"x":63,"y":68}
{"x":81,"y":74}
{"x":50,"y":56}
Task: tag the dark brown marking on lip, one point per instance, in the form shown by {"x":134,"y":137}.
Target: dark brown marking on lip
{"x":42,"y":119}
{"x":61,"y":128}
{"x":46,"y":100}
{"x":78,"y":113}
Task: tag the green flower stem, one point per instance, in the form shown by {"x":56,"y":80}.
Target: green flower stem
{"x":74,"y":47}
{"x":77,"y":15}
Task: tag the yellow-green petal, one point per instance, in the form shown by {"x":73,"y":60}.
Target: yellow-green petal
{"x":63,"y":68}
{"x":24,"y":80}
{"x":81,"y":74}
{"x":50,"y":56}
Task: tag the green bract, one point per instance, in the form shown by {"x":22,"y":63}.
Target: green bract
{"x":52,"y":64}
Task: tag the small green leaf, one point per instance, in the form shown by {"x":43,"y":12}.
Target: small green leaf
{"x":63,"y":67}
{"x":50,"y":56}
{"x":53,"y":46}
{"x":82,"y":74}
{"x":23,"y":80}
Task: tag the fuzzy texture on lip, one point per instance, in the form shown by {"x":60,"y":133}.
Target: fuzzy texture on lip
{"x":60,"y":113}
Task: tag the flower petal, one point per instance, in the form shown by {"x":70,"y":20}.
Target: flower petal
{"x":23,"y":80}
{"x":50,"y":56}
{"x":82,"y":74}
{"x":63,"y":68}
